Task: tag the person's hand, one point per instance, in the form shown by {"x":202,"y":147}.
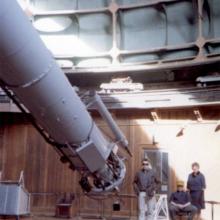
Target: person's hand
{"x":180,"y":206}
{"x":177,"y":205}
{"x":185,"y":205}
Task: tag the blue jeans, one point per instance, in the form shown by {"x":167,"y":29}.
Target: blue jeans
{"x":146,"y":206}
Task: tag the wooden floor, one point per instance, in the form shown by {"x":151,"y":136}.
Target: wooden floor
{"x":55,"y":218}
{"x":51,"y":217}
{"x":44,"y":216}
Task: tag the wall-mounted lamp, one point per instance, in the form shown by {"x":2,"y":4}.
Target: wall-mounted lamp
{"x":217,"y":128}
{"x":155,"y":139}
{"x":182,"y":130}
{"x":198,"y":115}
{"x":154,"y":115}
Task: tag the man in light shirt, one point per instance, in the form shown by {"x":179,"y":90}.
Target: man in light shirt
{"x":145,"y":184}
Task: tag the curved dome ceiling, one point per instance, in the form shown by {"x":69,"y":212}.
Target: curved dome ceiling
{"x":129,"y":34}
{"x":52,"y":24}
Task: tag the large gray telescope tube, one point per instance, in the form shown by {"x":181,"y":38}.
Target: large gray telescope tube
{"x":30,"y":71}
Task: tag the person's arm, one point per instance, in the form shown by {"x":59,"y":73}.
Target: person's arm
{"x":157,"y":181}
{"x":188,"y":183}
{"x":203,"y":181}
{"x":171,"y":200}
{"x":176,"y":204}
{"x":135,"y":186}
{"x":154,"y":184}
{"x":188,"y":201}
{"x":185,"y":205}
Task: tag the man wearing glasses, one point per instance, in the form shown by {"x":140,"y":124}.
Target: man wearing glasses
{"x":145,"y":185}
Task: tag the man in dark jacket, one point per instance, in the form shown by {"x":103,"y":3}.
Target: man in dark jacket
{"x":145,"y":184}
{"x":180,"y":201}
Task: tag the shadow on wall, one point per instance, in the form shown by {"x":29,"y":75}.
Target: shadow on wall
{"x":198,"y":141}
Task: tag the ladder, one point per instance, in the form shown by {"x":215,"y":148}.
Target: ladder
{"x":161,"y":211}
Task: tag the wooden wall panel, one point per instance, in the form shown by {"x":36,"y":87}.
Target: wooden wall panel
{"x":22,"y":148}
{"x":1,"y":147}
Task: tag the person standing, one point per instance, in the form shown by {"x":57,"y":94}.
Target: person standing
{"x":180,"y":201}
{"x":196,"y":185}
{"x":145,"y":185}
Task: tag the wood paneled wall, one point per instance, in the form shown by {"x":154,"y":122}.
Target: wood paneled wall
{"x":22,"y":148}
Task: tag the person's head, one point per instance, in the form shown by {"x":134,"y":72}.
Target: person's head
{"x":180,"y":185}
{"x":195,"y":167}
{"x":145,"y":164}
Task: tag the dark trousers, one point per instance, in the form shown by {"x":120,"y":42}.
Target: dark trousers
{"x":198,"y":199}
{"x":190,"y":210}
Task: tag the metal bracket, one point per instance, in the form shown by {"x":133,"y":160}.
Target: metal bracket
{"x":21,"y":178}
